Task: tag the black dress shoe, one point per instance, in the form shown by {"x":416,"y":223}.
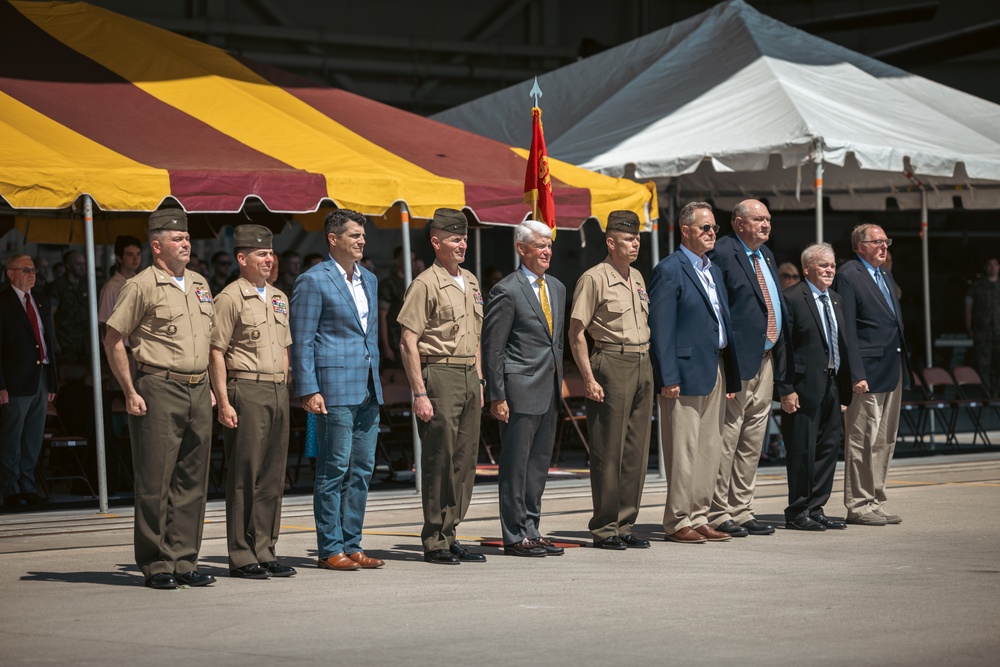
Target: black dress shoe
{"x":163,"y":581}
{"x":633,"y":542}
{"x":827,"y":522}
{"x":251,"y":571}
{"x":194,"y":579}
{"x":441,"y":557}
{"x":613,"y":543}
{"x":464,"y":555}
{"x":755,"y":527}
{"x":804,"y":523}
{"x":550,"y":549}
{"x":525,"y":547}
{"x":277,"y":569}
{"x":12,"y":501}
{"x":34,"y":499}
{"x":733,"y":528}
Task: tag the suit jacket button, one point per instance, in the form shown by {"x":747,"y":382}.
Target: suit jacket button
{"x":898,"y":350}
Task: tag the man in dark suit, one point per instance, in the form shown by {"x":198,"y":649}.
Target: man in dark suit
{"x":872,"y":317}
{"x":27,"y":380}
{"x":755,"y":305}
{"x":817,"y":381}
{"x":522,"y":347}
{"x":694,"y":364}
{"x":334,"y":323}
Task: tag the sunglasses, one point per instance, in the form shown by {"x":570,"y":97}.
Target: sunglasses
{"x":886,"y":242}
{"x":704,"y":228}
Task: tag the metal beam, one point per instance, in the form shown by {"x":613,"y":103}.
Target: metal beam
{"x":875,"y":18}
{"x":982,"y":37}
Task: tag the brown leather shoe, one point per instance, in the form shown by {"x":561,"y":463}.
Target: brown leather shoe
{"x":686,"y":536}
{"x":712,"y":535}
{"x":337,"y":562}
{"x":364,"y":561}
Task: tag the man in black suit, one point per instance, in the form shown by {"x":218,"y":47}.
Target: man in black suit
{"x":27,"y":380}
{"x":755,"y":305}
{"x":817,"y":381}
{"x":872,"y":318}
{"x":522,"y":348}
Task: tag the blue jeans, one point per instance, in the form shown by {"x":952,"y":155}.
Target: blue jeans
{"x":346,"y":458}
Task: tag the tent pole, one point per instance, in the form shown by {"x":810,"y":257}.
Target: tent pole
{"x":404,"y":214}
{"x":819,"y":199}
{"x":671,"y":206}
{"x":925,"y":259}
{"x":95,"y":357}
{"x":479,"y":254}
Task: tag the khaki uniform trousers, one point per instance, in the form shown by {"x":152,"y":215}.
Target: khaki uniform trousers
{"x":870,"y":427}
{"x":449,"y":447}
{"x":692,"y":445}
{"x":171,"y":448}
{"x":256,"y":455}
{"x":619,"y":429}
{"x":742,"y":440}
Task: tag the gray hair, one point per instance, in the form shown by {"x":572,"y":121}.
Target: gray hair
{"x":524,"y":231}
{"x":686,"y":216}
{"x":860,"y":233}
{"x":816,"y":249}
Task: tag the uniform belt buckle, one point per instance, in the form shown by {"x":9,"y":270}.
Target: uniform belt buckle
{"x":194,"y":379}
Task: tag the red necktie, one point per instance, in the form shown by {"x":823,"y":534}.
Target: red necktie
{"x":772,"y":323}
{"x":33,"y":318}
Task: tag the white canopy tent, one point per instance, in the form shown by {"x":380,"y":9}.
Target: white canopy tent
{"x":731,"y":104}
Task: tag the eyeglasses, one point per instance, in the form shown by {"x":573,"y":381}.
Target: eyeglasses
{"x":704,"y":228}
{"x":885,"y":242}
{"x":789,"y":276}
{"x":27,"y":270}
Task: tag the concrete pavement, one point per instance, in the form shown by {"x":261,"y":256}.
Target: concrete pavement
{"x":925,"y":592}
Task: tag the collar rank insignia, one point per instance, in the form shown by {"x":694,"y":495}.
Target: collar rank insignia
{"x":279,"y":306}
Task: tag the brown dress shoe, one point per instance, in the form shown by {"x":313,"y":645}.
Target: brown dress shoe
{"x":337,"y":562}
{"x":364,"y":561}
{"x":686,"y":536}
{"x":712,"y":535}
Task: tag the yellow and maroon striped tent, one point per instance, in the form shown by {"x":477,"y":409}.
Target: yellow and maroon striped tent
{"x":94,"y":103}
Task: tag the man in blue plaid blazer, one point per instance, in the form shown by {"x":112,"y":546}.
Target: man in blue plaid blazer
{"x":334,"y":315}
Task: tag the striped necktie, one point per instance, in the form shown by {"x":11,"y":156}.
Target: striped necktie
{"x":772,"y":322}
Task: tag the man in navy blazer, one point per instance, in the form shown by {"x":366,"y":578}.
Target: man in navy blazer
{"x":694,"y":364}
{"x":522,"y":348}
{"x":816,"y":372}
{"x":334,"y":315}
{"x":757,"y":309}
{"x":27,"y":380}
{"x":872,"y":317}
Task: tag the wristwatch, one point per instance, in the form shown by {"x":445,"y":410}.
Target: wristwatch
{"x":482,"y":381}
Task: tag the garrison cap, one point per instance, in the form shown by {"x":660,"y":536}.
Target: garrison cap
{"x":174,"y":219}
{"x":623,"y":221}
{"x":450,"y":220}
{"x":252,"y":236}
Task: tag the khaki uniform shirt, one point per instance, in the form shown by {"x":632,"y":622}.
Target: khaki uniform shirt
{"x":611,"y":309}
{"x":447,"y":320}
{"x":253,"y":331}
{"x":168,"y":328}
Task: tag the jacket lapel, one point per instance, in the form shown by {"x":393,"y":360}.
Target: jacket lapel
{"x":529,"y":294}
{"x":340,"y":284}
{"x":692,"y":274}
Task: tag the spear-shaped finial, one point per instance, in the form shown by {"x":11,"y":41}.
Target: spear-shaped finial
{"x":536,"y":92}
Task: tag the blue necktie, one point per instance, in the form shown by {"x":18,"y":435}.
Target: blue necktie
{"x":880,"y":281}
{"x":833,"y":357}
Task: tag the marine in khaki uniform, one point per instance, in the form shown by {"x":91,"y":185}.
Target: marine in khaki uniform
{"x":442,"y":319}
{"x":248,"y":365}
{"x":610,"y":303}
{"x":166,"y":312}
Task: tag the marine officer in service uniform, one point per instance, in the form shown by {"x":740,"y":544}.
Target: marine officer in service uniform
{"x":441,"y":319}
{"x":248,"y":364}
{"x":610,"y":303}
{"x":166,"y":311}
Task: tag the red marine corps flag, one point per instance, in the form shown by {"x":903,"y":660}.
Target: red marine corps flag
{"x":537,"y":185}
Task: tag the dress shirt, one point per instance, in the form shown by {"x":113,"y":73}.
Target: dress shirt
{"x":38,"y":318}
{"x":357,"y":289}
{"x":533,"y":281}
{"x":703,"y":267}
{"x":827,"y":327}
{"x":772,"y":289}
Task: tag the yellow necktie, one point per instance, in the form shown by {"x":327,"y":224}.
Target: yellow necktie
{"x":544,"y":298}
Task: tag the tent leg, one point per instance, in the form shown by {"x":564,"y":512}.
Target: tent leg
{"x":819,"y":200}
{"x":95,"y":357}
{"x":925,"y":260}
{"x":479,"y":254}
{"x":408,"y":274}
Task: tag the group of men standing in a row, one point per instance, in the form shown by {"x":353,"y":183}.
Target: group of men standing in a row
{"x":712,"y":323}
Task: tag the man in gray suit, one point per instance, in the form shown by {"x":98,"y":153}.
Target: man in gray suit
{"x":522,"y":347}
